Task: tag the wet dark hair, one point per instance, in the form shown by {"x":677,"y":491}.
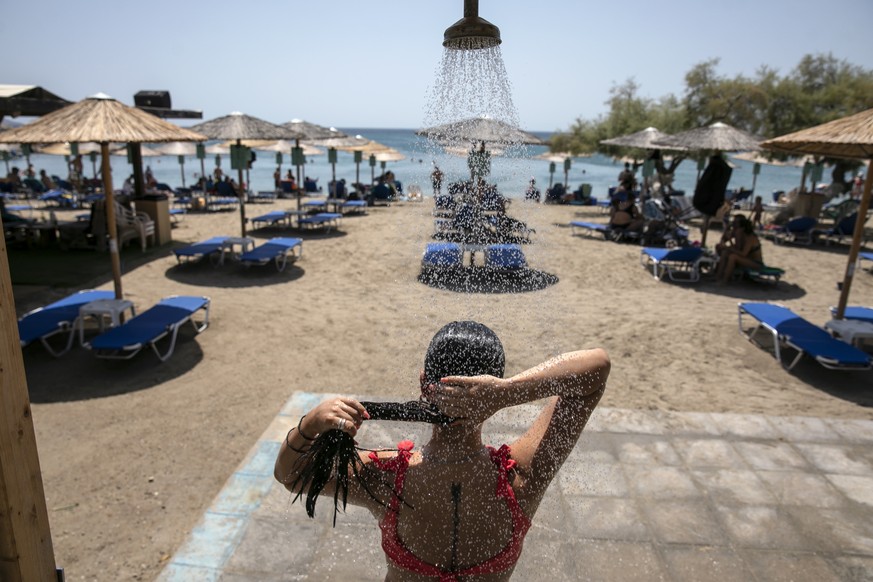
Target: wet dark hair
{"x":461,"y":348}
{"x":464,"y":348}
{"x":744,"y":223}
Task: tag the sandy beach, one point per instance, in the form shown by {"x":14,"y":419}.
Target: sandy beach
{"x":133,"y":452}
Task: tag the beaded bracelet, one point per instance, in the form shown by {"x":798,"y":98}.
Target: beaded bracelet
{"x":292,"y":447}
{"x":300,"y":431}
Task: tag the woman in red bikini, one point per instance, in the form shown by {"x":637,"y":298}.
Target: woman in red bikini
{"x":454,"y":509}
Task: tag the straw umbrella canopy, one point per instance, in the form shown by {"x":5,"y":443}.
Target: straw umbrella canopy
{"x":103,"y":120}
{"x":718,"y":137}
{"x":311,"y":132}
{"x":645,"y":140}
{"x":238,"y":126}
{"x":847,"y":137}
{"x":480,"y":129}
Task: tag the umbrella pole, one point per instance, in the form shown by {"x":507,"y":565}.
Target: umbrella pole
{"x":242,"y":197}
{"x":863,"y":207}
{"x":138,"y":180}
{"x":182,"y":170}
{"x":111,"y":226}
{"x":357,"y":174}
{"x":203,"y":174}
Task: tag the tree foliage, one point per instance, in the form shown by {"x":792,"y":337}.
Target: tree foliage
{"x":819,"y":89}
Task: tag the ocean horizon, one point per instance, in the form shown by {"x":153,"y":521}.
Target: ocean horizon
{"x":511,"y":174}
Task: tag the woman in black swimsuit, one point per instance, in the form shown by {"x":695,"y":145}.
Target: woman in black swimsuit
{"x":745,"y":253}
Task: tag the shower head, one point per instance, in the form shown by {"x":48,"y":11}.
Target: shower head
{"x":471,"y":32}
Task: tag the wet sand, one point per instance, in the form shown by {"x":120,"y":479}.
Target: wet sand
{"x":133,"y":452}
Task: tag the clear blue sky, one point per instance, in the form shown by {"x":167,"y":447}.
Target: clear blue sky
{"x":356,"y":63}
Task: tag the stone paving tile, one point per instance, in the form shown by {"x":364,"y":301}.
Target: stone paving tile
{"x":269,"y":545}
{"x":838,"y":459}
{"x":646,"y":450}
{"x":733,"y":487}
{"x":853,"y":568}
{"x":661,"y":482}
{"x":856,"y":488}
{"x":685,"y":423}
{"x":686,"y":521}
{"x":789,"y":567}
{"x":593,"y":479}
{"x":714,"y":453}
{"x":610,"y":561}
{"x":594,"y":448}
{"x":771,"y":456}
{"x":705,"y":562}
{"x":804,"y":429}
{"x":745,"y":426}
{"x":808,"y":489}
{"x":853,"y":431}
{"x":764,"y":527}
{"x":618,"y":420}
{"x":608,"y":518}
{"x":844,"y":530}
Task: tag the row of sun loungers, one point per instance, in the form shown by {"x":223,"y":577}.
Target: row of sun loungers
{"x":149,"y":329}
{"x":280,"y":251}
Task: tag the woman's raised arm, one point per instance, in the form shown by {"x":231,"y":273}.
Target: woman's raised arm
{"x":576,"y":380}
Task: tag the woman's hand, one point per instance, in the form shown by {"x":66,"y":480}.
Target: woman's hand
{"x":345,"y":414}
{"x":472,"y":399}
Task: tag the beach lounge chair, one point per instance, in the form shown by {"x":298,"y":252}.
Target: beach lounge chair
{"x":148,"y":328}
{"x":279,"y":250}
{"x":788,"y":329}
{"x":797,"y":230}
{"x":325,"y":220}
{"x":505,"y":256}
{"x":310,"y":204}
{"x":856,"y":312}
{"x":844,"y":228}
{"x":354,"y":207}
{"x":262,"y":196}
{"x":55,"y":318}
{"x":442,"y":256}
{"x":866,"y":257}
{"x":590,"y":228}
{"x":211,"y":248}
{"x":271,"y":219}
{"x":681,"y":265}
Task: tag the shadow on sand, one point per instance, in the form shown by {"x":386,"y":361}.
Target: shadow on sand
{"x":484,"y":280}
{"x":232,"y":275}
{"x":80,"y":375}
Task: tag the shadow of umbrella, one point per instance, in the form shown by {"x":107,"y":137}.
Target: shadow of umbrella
{"x":103,"y":120}
{"x":847,"y":137}
{"x":238,"y":127}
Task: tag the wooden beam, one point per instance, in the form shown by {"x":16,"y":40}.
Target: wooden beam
{"x":26,"y":551}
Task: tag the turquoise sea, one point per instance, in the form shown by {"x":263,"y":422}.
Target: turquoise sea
{"x":510,"y":173}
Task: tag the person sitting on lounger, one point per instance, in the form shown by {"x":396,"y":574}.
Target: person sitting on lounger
{"x":624,"y":214}
{"x":454,"y":509}
{"x":745,"y":252}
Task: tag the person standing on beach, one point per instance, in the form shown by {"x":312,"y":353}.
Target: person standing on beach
{"x":436,"y":179}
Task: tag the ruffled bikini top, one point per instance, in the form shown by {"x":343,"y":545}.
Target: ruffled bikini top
{"x":401,"y":557}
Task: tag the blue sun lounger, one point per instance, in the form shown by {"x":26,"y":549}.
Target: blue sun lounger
{"x":856,"y":312}
{"x":151,"y":326}
{"x":58,"y":317}
{"x":442,"y":256}
{"x":325,"y":220}
{"x":354,"y":206}
{"x":790,"y":330}
{"x":866,"y":257}
{"x":505,"y":256}
{"x":681,"y":265}
{"x":590,"y":228}
{"x":271,"y":219}
{"x":208,"y":248}
{"x":278,"y":250}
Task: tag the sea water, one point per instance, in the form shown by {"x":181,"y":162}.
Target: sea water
{"x":600,"y":171}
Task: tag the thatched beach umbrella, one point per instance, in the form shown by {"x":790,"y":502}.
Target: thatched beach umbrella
{"x":238,"y":126}
{"x":360,"y":146}
{"x":480,"y":129}
{"x":645,"y":140}
{"x":847,"y":137}
{"x":281,"y":145}
{"x":718,"y":137}
{"x":312,"y":132}
{"x":103,"y":120}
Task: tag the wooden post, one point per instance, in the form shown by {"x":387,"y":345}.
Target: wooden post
{"x":26,"y":551}
{"x":111,"y":225}
{"x":856,"y":243}
{"x":242,"y":194}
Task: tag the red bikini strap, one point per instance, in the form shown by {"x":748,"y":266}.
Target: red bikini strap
{"x":398,"y":465}
{"x":500,"y":457}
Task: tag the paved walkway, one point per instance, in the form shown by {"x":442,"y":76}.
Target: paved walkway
{"x":646,"y":495}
